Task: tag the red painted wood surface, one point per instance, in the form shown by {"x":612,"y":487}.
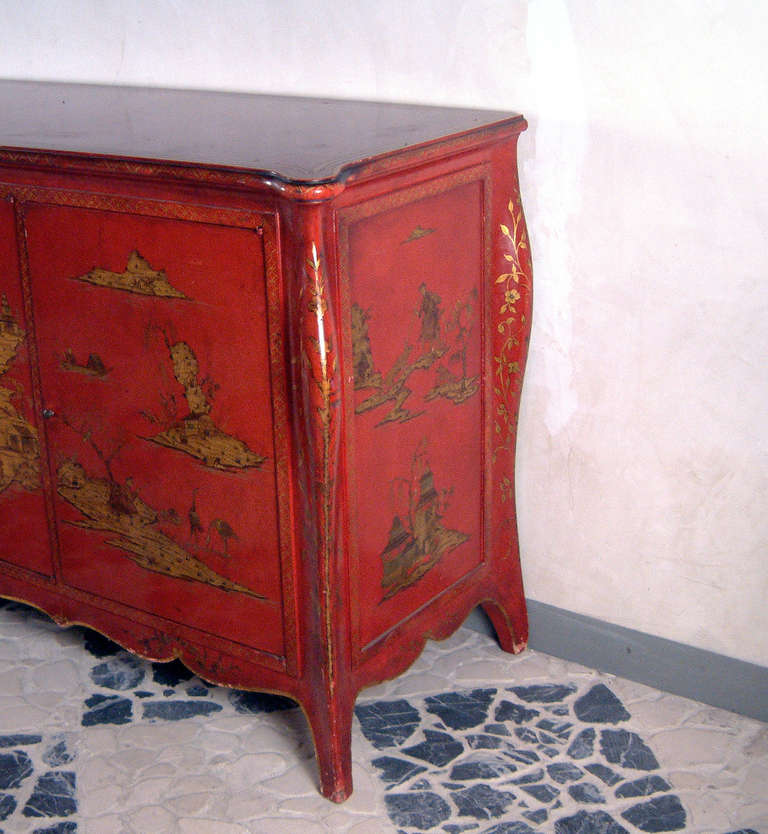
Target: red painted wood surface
{"x":266,"y":424}
{"x":23,"y":527}
{"x":417,"y":297}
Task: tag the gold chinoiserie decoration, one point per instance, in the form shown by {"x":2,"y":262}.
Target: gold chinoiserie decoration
{"x":112,"y":507}
{"x":418,"y":233}
{"x":442,"y":348}
{"x":138,"y":277}
{"x":196,"y":434}
{"x":93,"y":366}
{"x":508,"y":373}
{"x":19,"y":445}
{"x":419,"y":542}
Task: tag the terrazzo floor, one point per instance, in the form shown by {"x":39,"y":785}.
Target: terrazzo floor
{"x":470,"y":739}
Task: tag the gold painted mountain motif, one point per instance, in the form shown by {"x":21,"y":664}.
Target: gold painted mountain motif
{"x":111,"y":507}
{"x":93,"y":366}
{"x":196,"y":434}
{"x":441,"y":349}
{"x":19,"y":446}
{"x":138,"y":277}
{"x":417,"y":544}
{"x":418,"y":233}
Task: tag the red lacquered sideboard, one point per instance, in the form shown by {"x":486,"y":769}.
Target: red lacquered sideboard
{"x":260,"y":369}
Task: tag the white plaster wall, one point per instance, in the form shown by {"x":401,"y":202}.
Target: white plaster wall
{"x":643,"y":459}
{"x":643,"y":468}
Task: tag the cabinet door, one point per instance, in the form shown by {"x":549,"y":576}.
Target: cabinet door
{"x":153,"y":337}
{"x":24,"y":537}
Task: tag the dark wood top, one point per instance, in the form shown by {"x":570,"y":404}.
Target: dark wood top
{"x":302,"y":140}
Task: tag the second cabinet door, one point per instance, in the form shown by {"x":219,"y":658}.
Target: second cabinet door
{"x":156,"y":378}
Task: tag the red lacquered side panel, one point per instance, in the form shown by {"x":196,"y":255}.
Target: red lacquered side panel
{"x":158,"y":390}
{"x":23,"y":528}
{"x":415,"y":262}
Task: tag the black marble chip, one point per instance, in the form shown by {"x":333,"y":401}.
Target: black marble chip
{"x":15,"y":767}
{"x":53,"y":795}
{"x":177,"y":710}
{"x":107,"y":709}
{"x":395,"y":771}
{"x":586,"y":793}
{"x":510,"y":828}
{"x":604,"y":773}
{"x":482,"y":802}
{"x":627,"y":749}
{"x":437,"y":748}
{"x":387,"y":723}
{"x":7,"y":805}
{"x":563,"y":772}
{"x":520,"y":754}
{"x":484,"y":741}
{"x":662,"y":813}
{"x":19,"y":740}
{"x":583,"y":745}
{"x":529,"y":778}
{"x":546,"y":693}
{"x":481,"y":766}
{"x":589,"y":822}
{"x":461,"y":710}
{"x":560,"y":729}
{"x":527,"y":734}
{"x":538,"y":816}
{"x":420,"y":809}
{"x":542,"y":792}
{"x":642,"y":787}
{"x":600,"y":705}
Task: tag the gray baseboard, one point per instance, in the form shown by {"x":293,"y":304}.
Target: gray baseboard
{"x":663,"y":664}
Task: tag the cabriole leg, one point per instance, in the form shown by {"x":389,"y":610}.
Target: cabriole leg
{"x":510,"y":621}
{"x":331,"y":725}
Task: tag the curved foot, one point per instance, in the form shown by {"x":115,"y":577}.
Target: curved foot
{"x":510,"y":622}
{"x":332,"y":731}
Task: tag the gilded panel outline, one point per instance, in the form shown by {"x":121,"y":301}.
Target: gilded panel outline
{"x":361,"y":209}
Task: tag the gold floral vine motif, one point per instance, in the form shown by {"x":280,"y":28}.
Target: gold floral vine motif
{"x":508,"y":371}
{"x":322,"y":370}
